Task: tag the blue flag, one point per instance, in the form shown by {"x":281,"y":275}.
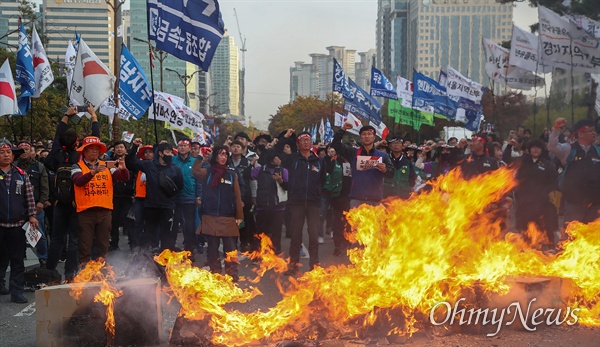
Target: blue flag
{"x":188,"y":29}
{"x":328,"y":131}
{"x":360,"y":103}
{"x":380,"y":86}
{"x":24,"y":73}
{"x":134,"y":90}
{"x":427,"y":92}
{"x":340,"y":80}
{"x":313,"y":134}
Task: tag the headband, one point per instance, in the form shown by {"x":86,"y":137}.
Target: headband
{"x":303,"y":136}
{"x":183,"y":142}
{"x":24,"y":144}
{"x":584,"y":129}
{"x":479,"y":138}
{"x":4,"y":145}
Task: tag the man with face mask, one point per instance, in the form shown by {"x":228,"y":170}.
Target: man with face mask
{"x":160,"y":202}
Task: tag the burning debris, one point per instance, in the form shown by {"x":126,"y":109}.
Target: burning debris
{"x":411,"y":255}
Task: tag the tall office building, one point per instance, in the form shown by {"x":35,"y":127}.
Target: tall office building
{"x":302,"y":79}
{"x":450,"y":34}
{"x":427,"y":35}
{"x":171,"y":83}
{"x":224,"y":78}
{"x":9,"y":23}
{"x":91,"y":19}
{"x":316,"y":78}
{"x":363,"y":68}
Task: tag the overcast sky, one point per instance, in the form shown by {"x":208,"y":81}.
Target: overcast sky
{"x":280,"y":32}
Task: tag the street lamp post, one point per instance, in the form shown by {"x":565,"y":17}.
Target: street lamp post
{"x":185,"y":79}
{"x":162,"y":55}
{"x":203,"y":100}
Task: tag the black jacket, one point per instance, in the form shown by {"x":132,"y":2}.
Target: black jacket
{"x":155,"y":198}
{"x":306,"y":176}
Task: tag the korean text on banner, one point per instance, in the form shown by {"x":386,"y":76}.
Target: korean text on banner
{"x":24,"y":72}
{"x":42,"y":69}
{"x":362,"y":104}
{"x":458,"y":85}
{"x":497,"y":68}
{"x":365,"y":162}
{"x":559,"y":47}
{"x":427,"y":92}
{"x":134,"y":90}
{"x":381,"y":86}
{"x":524,"y":51}
{"x":170,"y":108}
{"x":188,"y":29}
{"x":340,"y":80}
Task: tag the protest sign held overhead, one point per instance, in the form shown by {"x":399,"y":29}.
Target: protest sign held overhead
{"x":188,"y":29}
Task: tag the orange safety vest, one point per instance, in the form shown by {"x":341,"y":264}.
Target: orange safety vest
{"x":98,"y":192}
{"x":140,"y":186}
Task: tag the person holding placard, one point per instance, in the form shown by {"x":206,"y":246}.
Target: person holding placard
{"x":17,"y":205}
{"x":369,"y":166}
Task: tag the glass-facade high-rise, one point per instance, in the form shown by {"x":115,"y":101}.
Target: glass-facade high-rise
{"x":442,"y":34}
{"x":91,"y":19}
{"x":428,"y":35}
{"x":139,"y":31}
{"x":224,"y":78}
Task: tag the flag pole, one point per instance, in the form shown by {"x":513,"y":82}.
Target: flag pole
{"x":152,"y":78}
{"x":31,"y":120}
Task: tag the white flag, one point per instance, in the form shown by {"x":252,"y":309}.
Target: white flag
{"x":404,"y":90}
{"x":42,"y":69}
{"x":70,"y":56}
{"x":460,"y":86}
{"x":171,"y":109}
{"x":560,"y":47}
{"x":8,"y":99}
{"x":92,"y":80}
{"x":524,"y":51}
{"x":583,"y":26}
{"x":322,"y":131}
{"x":498,"y":69}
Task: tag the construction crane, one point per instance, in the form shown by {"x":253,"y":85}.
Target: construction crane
{"x":243,"y":71}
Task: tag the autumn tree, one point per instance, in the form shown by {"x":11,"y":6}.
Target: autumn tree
{"x":507,"y":111}
{"x":304,"y":112}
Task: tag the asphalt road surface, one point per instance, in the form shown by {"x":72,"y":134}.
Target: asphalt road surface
{"x":18,"y":321}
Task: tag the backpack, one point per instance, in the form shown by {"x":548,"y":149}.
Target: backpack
{"x":64,"y":191}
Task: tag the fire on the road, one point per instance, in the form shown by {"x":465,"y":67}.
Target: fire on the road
{"x":410,"y":255}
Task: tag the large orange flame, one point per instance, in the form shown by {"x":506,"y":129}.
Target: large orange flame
{"x":98,"y":271}
{"x":410,"y":255}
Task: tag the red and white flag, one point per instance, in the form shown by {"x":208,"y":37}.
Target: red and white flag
{"x":8,"y":99}
{"x":41,"y":65}
{"x":92,"y":80}
{"x":341,"y":119}
{"x":381,"y":130}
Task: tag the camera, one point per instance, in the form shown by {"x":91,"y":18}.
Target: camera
{"x":277,"y":170}
{"x":82,"y":108}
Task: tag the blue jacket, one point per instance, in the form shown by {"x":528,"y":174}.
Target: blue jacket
{"x":219,"y":201}
{"x":191,"y":188}
{"x":367,"y":184}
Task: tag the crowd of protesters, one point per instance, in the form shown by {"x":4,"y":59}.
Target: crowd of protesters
{"x":83,"y":196}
